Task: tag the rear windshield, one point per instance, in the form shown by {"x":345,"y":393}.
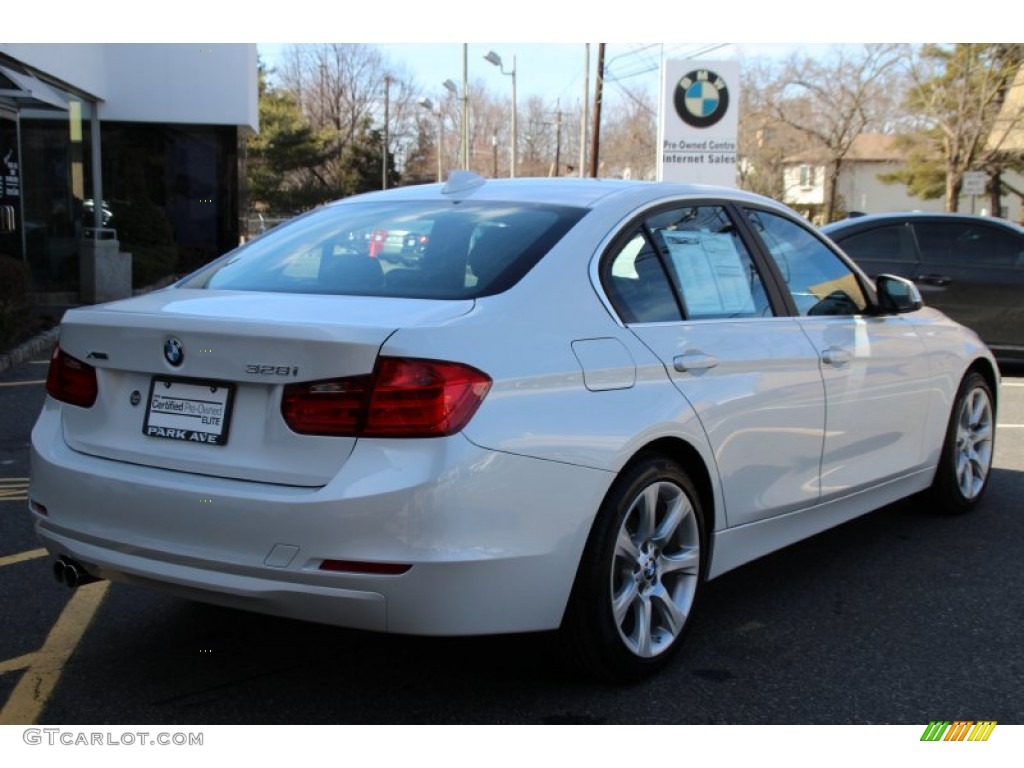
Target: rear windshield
{"x":439,"y":250}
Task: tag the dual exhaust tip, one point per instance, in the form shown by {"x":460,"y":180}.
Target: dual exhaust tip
{"x":72,"y":573}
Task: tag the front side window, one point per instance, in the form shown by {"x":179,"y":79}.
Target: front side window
{"x":443,"y":250}
{"x":819,"y":281}
{"x":893,"y":243}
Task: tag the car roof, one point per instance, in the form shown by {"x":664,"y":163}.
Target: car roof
{"x":579,"y":192}
{"x":862,"y":222}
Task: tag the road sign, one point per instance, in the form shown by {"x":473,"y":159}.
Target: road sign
{"x":974,"y":183}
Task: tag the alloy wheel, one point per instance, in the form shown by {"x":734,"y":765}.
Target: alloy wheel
{"x":655,"y":569}
{"x":973,"y":453}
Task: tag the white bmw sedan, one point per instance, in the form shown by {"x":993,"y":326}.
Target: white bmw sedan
{"x":580,"y":401}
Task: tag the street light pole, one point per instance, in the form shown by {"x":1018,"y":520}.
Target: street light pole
{"x":495,"y":59}
{"x":453,"y":89}
{"x":428,"y":104}
{"x":384,"y":153}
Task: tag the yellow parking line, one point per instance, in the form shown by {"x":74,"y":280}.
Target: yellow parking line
{"x":13,"y":489}
{"x":21,"y":662}
{"x":30,"y":695}
{"x":21,"y":383}
{"x":22,"y":557}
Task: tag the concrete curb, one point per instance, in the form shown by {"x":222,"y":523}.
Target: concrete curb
{"x":28,"y":349}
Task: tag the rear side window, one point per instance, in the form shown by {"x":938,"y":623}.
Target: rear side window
{"x":686,"y":262}
{"x":444,"y":250}
{"x":711,"y":266}
{"x":968,"y":245}
{"x":638,"y":286}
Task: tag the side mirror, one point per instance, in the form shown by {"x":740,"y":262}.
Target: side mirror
{"x":897,"y":294}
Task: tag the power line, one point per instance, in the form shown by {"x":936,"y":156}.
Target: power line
{"x":644,"y":67}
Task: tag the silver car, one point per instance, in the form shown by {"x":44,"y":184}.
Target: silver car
{"x":584,"y":399}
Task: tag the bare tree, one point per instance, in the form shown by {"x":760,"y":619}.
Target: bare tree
{"x":342,"y":88}
{"x":765,"y":141}
{"x":629,"y":136}
{"x":834,"y":100}
{"x":537,"y":139}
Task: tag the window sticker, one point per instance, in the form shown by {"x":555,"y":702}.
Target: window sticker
{"x":711,"y":272}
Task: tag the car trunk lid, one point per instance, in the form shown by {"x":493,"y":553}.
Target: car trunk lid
{"x":217,"y":411}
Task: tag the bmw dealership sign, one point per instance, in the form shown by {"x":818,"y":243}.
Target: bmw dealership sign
{"x":699,"y":104}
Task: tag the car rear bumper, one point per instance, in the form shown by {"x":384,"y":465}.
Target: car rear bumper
{"x":492,"y":540}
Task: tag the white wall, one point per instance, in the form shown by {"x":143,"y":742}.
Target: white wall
{"x":796,"y":193}
{"x":204,"y":83}
{"x":862,"y":191}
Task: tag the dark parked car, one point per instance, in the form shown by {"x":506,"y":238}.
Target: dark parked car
{"x":970,"y":267}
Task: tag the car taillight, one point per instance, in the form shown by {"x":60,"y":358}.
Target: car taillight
{"x":377,"y":240}
{"x":403,"y":397}
{"x":70,"y":380}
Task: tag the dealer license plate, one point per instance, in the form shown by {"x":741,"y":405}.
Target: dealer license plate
{"x":194,"y":411}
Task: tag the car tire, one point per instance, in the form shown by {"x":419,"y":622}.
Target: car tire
{"x":640,"y":574}
{"x":966,"y":460}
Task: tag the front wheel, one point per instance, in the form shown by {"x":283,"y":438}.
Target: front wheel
{"x":966,"y":460}
{"x":640,"y":575}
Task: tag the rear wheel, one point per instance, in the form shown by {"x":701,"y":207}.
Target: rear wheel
{"x":966,"y":460}
{"x":640,"y":575}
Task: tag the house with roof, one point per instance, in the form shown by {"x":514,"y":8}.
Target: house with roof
{"x":860,"y":188}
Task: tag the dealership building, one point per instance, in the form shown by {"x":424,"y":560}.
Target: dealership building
{"x":150,"y":131}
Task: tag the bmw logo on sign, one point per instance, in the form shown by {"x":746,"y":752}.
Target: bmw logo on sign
{"x":701,"y":98}
{"x":174,"y":351}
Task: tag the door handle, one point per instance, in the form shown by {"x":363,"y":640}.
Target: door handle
{"x":693,"y":360}
{"x":940,"y":280}
{"x":836,"y":356}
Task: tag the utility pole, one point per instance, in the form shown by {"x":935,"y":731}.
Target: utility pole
{"x":558,"y":141}
{"x":584,"y":111}
{"x":595,"y":144}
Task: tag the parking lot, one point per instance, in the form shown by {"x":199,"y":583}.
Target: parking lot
{"x":898,"y":617}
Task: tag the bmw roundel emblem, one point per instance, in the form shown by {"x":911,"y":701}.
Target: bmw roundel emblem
{"x":174,"y":351}
{"x":701,"y":98}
